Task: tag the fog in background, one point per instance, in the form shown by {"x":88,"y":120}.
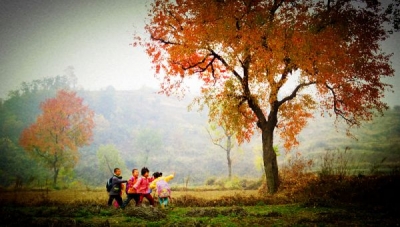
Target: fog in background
{"x":91,"y":40}
{"x":43,"y":38}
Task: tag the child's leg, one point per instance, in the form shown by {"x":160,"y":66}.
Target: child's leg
{"x":119,"y":201}
{"x":169,"y":200}
{"x":136,"y":197}
{"x":149,"y":198}
{"x":110,"y":200}
{"x":162,"y":201}
{"x":140,"y":199}
{"x":127,"y":200}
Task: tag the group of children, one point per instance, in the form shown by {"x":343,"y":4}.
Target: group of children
{"x":138,"y":188}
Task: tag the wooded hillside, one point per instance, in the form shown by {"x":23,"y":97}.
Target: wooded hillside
{"x":149,"y":129}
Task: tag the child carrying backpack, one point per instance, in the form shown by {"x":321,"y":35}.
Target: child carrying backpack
{"x":115,"y":187}
{"x":162,"y":188}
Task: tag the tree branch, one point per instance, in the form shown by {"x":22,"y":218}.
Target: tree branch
{"x":277,"y":4}
{"x":201,"y":69}
{"x":166,"y":42}
{"x":294,"y":93}
{"x":337,"y":110}
{"x":215,"y":143}
{"x":217,"y":56}
{"x":173,"y":16}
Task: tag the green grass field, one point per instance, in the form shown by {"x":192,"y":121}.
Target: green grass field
{"x":100,"y":195}
{"x":260,"y":215}
{"x":192,"y":208}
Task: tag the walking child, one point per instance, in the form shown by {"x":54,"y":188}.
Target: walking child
{"x":142,"y":187}
{"x":130,"y":191}
{"x":162,"y":187}
{"x":116,"y":187}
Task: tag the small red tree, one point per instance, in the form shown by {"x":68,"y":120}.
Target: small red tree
{"x":260,"y":62}
{"x":64,"y":125}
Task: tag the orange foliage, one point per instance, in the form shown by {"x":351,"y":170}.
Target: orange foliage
{"x":258,"y":58}
{"x":261,"y":45}
{"x":64,"y":126}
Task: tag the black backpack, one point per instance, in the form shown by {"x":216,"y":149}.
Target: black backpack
{"x":109,"y":184}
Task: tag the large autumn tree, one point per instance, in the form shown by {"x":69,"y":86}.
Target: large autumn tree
{"x":266,"y":65}
{"x":64,"y":125}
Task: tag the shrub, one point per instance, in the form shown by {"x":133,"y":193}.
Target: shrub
{"x":210,"y":181}
{"x":251,"y":184}
{"x":233,"y":183}
{"x":336,"y":162}
{"x":221,"y":183}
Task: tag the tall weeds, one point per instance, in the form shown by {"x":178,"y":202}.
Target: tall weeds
{"x":336,"y":162}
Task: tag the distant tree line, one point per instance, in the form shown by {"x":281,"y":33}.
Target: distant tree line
{"x":141,"y":128}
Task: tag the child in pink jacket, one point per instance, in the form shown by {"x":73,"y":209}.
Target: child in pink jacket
{"x":142,"y":187}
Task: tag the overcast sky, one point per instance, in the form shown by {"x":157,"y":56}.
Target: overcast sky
{"x":41,"y":38}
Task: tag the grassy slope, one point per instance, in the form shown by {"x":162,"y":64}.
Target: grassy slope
{"x":200,"y":208}
{"x":376,"y":143}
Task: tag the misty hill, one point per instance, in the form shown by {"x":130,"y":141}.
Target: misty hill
{"x":187,"y":148}
{"x":157,"y":131}
{"x":375,"y":143}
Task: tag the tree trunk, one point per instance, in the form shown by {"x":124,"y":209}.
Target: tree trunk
{"x":270,"y":161}
{"x":55,"y":177}
{"x":108,"y":165}
{"x":228,"y":156}
{"x":55,"y":169}
{"x":267,"y":126}
{"x":146,"y":158}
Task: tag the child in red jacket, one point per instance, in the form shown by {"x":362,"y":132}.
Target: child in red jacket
{"x":142,"y":187}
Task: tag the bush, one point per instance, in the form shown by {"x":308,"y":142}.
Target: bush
{"x":342,"y":164}
{"x":210,"y":181}
{"x":251,"y":184}
{"x":220,"y":183}
{"x":235,"y":183}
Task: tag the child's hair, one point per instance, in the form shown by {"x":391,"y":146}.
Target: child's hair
{"x":157,"y":175}
{"x":144,"y":171}
{"x":115,"y":170}
{"x":134,"y":170}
